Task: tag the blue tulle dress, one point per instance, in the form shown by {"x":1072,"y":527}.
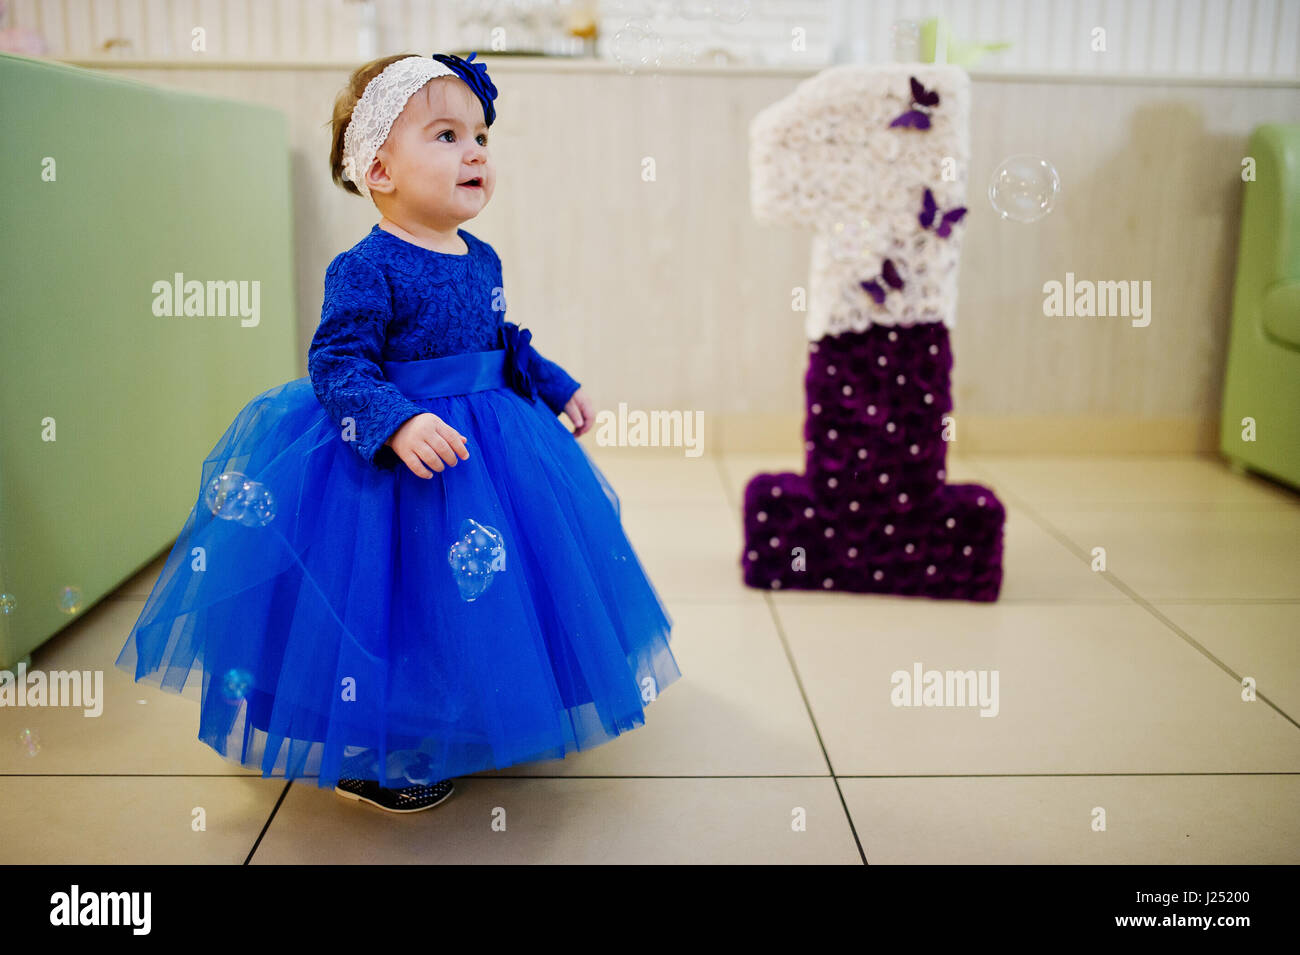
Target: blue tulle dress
{"x":336,"y":615}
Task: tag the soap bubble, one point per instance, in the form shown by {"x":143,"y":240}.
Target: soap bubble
{"x":232,"y":497}
{"x":70,"y":600}
{"x":259,"y":505}
{"x":637,"y":47}
{"x":224,"y":494}
{"x":475,"y":558}
{"x":30,"y":742}
{"x":683,"y":53}
{"x":1024,"y":188}
{"x":235,"y":684}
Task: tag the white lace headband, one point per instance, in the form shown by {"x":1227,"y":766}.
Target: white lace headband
{"x":381,"y":103}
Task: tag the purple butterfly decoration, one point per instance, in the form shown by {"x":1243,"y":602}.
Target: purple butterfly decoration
{"x":914,"y":117}
{"x":889,"y":275}
{"x":948,"y":220}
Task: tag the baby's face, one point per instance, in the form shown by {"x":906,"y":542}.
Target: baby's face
{"x":438,"y":143}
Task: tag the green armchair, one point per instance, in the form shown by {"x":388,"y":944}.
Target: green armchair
{"x":112,"y":391}
{"x":1260,"y":426}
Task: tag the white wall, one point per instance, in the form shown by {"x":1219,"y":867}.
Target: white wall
{"x":1150,"y":37}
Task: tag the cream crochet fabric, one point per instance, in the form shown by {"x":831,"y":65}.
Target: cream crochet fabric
{"x":826,"y":156}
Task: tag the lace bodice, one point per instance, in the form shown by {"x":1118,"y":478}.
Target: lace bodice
{"x":387,"y":299}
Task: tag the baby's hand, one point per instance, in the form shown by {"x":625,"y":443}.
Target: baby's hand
{"x":580,"y":412}
{"x":424,"y":441}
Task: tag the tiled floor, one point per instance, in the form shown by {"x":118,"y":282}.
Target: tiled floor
{"x":1119,"y":699}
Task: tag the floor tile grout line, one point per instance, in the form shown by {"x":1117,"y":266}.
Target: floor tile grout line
{"x":803,"y":695}
{"x":979,"y":462}
{"x":1286,"y":495}
{"x":1151,"y":506}
{"x":267,"y":825}
{"x":1141,"y":601}
{"x":1155,"y":612}
{"x":671,"y":776}
{"x":749,"y":594}
{"x":794,"y":670}
{"x":1210,"y":601}
{"x":1078,"y":775}
{"x":815,"y":597}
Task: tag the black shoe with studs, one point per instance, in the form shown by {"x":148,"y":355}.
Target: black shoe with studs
{"x":406,"y":799}
{"x":422,"y":793}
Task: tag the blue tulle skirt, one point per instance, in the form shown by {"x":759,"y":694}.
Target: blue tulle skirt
{"x":337,"y":619}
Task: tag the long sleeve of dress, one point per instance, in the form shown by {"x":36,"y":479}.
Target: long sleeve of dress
{"x":554,"y":385}
{"x":344,"y":361}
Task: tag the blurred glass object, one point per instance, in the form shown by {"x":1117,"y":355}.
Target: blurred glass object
{"x":529,"y":27}
{"x":905,"y":37}
{"x":367,"y":29}
{"x":939,"y":46}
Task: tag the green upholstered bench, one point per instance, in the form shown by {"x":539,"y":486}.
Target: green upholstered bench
{"x":110,"y":395}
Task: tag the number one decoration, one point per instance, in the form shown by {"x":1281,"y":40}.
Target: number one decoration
{"x":875,"y":161}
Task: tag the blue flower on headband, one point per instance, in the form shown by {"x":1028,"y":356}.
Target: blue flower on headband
{"x":476,"y":78}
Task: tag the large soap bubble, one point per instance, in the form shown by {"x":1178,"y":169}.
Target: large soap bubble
{"x":475,"y":558}
{"x":1024,"y":188}
{"x":70,"y":600}
{"x":233,"y":497}
{"x":637,"y":47}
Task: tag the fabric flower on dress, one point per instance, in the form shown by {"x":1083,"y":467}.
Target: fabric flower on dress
{"x":519,"y":354}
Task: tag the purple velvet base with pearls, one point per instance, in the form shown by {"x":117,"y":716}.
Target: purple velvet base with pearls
{"x":872,"y":513}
